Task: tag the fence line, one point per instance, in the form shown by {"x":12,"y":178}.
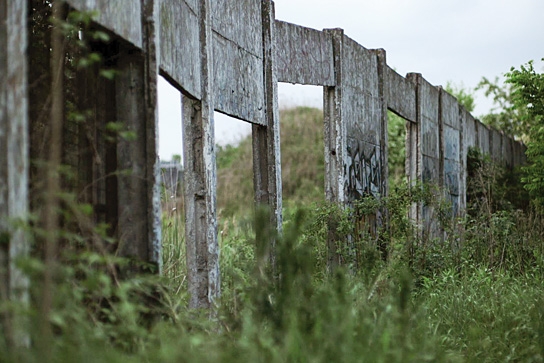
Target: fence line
{"x":227,"y":56}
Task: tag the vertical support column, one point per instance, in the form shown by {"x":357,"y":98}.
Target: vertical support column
{"x":335,"y":147}
{"x":428,"y":156}
{"x":13,"y":160}
{"x":467,"y":140}
{"x":334,"y":128}
{"x":266,"y":139}
{"x":150,"y":26}
{"x":413,"y":164}
{"x":200,"y":179}
{"x":137,"y":156}
{"x":384,"y":137}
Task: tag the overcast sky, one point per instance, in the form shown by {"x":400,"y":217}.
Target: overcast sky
{"x":458,"y":41}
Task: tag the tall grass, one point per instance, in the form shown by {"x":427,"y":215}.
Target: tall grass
{"x":480,"y":301}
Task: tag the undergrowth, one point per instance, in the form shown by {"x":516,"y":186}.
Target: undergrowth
{"x":475,"y":295}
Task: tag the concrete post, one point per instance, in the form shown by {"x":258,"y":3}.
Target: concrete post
{"x":138,"y":181}
{"x":200,"y":179}
{"x":13,"y":161}
{"x":266,"y":139}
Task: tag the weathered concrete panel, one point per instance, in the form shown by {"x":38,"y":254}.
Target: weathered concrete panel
{"x":363,"y":169}
{"x":180,"y":44}
{"x":452,"y":143}
{"x":452,"y":174}
{"x":401,"y":95}
{"x":361,"y":105}
{"x":496,"y":145}
{"x":469,"y":132}
{"x":123,"y":17}
{"x":239,"y":21}
{"x":431,"y":228}
{"x":430,"y":137}
{"x":429,"y":97}
{"x":431,"y":170}
{"x":361,"y":66}
{"x":363,"y":116}
{"x":483,"y":138}
{"x":13,"y":163}
{"x":507,"y":150}
{"x":449,"y":110}
{"x":303,"y":55}
{"x":238,"y":81}
{"x":428,"y":102}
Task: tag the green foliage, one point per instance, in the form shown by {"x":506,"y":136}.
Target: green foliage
{"x":393,"y":310}
{"x":489,"y":317}
{"x":528,"y":99}
{"x":492,"y":187}
{"x":303,"y":164}
{"x":396,"y":129}
{"x":504,"y":115}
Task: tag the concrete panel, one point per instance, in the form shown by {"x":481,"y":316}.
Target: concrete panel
{"x":429,"y":97}
{"x":361,"y":110}
{"x":180,"y":44}
{"x":400,"y":95}
{"x":360,"y":67}
{"x":239,"y":21}
{"x":452,"y":177}
{"x":452,"y":143}
{"x":238,"y":81}
{"x":449,"y":110}
{"x":363,"y":116}
{"x":506,"y":150}
{"x":496,"y":145}
{"x":13,"y":164}
{"x":428,"y":102}
{"x":430,"y":170}
{"x":303,"y":55}
{"x":430,"y":133}
{"x":123,"y":17}
{"x":483,"y":137}
{"x":363,"y":170}
{"x":469,"y":131}
{"x":431,"y":230}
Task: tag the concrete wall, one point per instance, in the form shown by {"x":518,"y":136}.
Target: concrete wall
{"x":13,"y":160}
{"x":227,"y":56}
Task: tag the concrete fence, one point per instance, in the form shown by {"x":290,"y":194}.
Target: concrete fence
{"x":226,"y":56}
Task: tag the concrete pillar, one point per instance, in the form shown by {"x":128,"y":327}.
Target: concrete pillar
{"x":139,"y":222}
{"x":266,"y":139}
{"x":200,"y":179}
{"x":335,"y":143}
{"x":424,"y":153}
{"x":13,"y":161}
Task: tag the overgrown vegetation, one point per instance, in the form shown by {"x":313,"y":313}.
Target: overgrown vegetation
{"x":476,"y":296}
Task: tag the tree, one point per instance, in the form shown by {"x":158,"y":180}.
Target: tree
{"x":504,"y":115}
{"x":527,"y":95}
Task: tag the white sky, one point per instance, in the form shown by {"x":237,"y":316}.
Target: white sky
{"x":459,"y":41}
